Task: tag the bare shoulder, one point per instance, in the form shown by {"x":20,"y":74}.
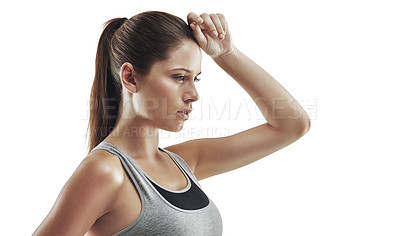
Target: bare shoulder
{"x":104,"y":165}
{"x":100,"y":174}
{"x":79,"y":204}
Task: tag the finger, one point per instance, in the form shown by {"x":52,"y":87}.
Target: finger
{"x":193,"y":17}
{"x":223,"y":22}
{"x":218,"y":25}
{"x":198,"y":34}
{"x":209,"y":25}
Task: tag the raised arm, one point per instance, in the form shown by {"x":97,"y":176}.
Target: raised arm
{"x":278,"y":106}
{"x":286,"y":119}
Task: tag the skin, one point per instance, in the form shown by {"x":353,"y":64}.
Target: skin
{"x":100,"y":199}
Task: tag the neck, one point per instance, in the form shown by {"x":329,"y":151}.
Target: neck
{"x":136,"y":138}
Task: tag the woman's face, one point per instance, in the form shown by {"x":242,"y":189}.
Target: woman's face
{"x":169,"y":87}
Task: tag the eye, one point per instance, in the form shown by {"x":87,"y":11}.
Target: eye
{"x":179,"y":77}
{"x":182,"y":77}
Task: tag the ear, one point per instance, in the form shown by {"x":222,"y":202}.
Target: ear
{"x":128,"y":77}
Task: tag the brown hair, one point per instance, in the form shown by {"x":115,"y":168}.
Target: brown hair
{"x":141,"y":40}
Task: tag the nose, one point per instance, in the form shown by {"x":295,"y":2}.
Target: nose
{"x":191,"y":94}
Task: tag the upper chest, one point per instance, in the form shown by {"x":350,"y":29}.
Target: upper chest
{"x":165,"y":172}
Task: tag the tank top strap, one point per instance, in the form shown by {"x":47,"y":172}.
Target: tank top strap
{"x":184,"y":165}
{"x":132,"y":169}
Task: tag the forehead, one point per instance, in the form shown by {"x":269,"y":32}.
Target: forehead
{"x":186,"y":55}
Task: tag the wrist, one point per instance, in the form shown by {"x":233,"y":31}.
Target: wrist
{"x":230,"y":52}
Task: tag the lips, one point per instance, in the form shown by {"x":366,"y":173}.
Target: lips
{"x":184,"y":113}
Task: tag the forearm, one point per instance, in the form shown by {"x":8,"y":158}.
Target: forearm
{"x":278,"y":106}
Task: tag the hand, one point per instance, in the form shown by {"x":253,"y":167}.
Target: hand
{"x":212,"y":33}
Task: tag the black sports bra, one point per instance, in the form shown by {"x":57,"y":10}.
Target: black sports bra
{"x":191,"y":199}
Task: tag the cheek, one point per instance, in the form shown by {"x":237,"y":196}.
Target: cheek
{"x":164,"y":99}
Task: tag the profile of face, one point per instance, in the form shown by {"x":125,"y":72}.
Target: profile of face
{"x":169,"y":87}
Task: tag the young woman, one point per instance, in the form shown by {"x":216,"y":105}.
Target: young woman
{"x":146,"y":69}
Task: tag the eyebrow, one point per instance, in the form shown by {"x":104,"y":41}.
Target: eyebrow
{"x":184,"y":69}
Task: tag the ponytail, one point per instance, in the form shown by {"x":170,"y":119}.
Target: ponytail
{"x":105,"y":95}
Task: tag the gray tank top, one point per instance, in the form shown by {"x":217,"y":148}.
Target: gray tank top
{"x":184,"y":213}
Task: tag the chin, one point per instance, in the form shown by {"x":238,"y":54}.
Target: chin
{"x":175,"y":128}
{"x":178,"y":128}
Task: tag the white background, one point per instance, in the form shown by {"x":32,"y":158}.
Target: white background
{"x":339,"y":59}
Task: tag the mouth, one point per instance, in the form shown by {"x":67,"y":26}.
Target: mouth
{"x":184,"y":114}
